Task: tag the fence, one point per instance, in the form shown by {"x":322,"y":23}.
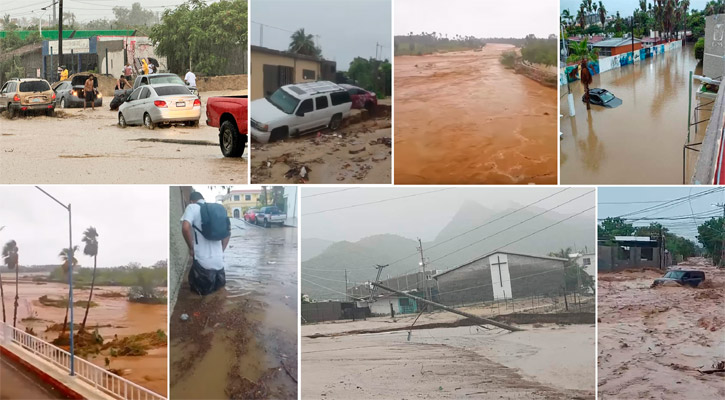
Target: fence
{"x":92,"y":374}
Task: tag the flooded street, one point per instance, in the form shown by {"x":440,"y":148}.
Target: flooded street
{"x":241,"y":341}
{"x":462,"y":118}
{"x":80,"y":146}
{"x":112,"y":315}
{"x":639,"y":142}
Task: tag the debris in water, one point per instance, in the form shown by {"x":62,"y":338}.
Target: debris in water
{"x":184,"y":317}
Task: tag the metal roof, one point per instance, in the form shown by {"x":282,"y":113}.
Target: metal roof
{"x":616,"y":42}
{"x":499,"y":252}
{"x":633,"y":239}
{"x":304,"y":90}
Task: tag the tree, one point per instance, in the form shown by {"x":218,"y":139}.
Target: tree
{"x":685,"y":5}
{"x":614,"y":226}
{"x":602,"y":14}
{"x":576,"y":277}
{"x":67,"y":266}
{"x":711,"y":236}
{"x":10,"y":256}
{"x":581,"y":54}
{"x":303,"y":43}
{"x":134,"y":16}
{"x":90,"y":238}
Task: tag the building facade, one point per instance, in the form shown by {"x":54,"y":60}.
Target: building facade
{"x":616,"y":46}
{"x":631,"y":252}
{"x":272,"y":69}
{"x":237,"y":202}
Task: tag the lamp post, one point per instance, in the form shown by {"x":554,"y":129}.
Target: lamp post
{"x":70,"y":275}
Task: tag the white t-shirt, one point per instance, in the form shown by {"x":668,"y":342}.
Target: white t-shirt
{"x":208,"y":253}
{"x":191,"y":78}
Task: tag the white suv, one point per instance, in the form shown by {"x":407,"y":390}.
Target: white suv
{"x":300,"y":108}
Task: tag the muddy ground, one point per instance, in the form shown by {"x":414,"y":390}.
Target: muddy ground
{"x":462,"y":118}
{"x":112,"y":315}
{"x":447,"y":362}
{"x":652,"y":342}
{"x":360,"y":152}
{"x":241,"y":341}
{"x":80,"y":146}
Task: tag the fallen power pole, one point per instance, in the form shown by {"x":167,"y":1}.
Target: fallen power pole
{"x":483,"y":321}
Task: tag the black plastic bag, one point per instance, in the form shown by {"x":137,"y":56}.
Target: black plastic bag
{"x":205,"y":281}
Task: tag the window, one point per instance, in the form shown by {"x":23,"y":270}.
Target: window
{"x":647,"y":254}
{"x":321,"y":102}
{"x":236,"y":197}
{"x":34,"y":86}
{"x":135,"y":94}
{"x":169,"y":90}
{"x":341,"y":97}
{"x":308,"y":74}
{"x":623,"y":253}
{"x":5,"y":88}
{"x":144,"y":93}
{"x":587,"y":261}
{"x":305,"y":107}
{"x":247,"y":197}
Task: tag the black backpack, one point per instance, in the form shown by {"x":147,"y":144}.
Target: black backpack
{"x":215,"y":223}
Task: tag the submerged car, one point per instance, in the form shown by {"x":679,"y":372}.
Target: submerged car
{"x":27,"y":95}
{"x":151,"y":105}
{"x":71,"y":93}
{"x":602,"y":97}
{"x":682,"y":277}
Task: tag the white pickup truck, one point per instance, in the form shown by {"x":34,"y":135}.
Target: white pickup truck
{"x":295,"y":109}
{"x":267,"y":216}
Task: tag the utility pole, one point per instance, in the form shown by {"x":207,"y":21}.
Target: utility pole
{"x":346,"y":296}
{"x":261,"y":35}
{"x":377,"y":279}
{"x":60,"y":35}
{"x":425,"y":277}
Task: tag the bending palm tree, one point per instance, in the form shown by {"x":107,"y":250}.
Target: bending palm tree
{"x":68,"y":269}
{"x":90,"y":238}
{"x":303,"y":43}
{"x":581,"y":55}
{"x":10,"y":256}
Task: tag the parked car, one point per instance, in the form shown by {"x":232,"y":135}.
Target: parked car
{"x":266,"y":216}
{"x":71,"y":93}
{"x":229,"y":114}
{"x":27,"y":95}
{"x":150,"y":105}
{"x":602,"y":97}
{"x":361,"y":98}
{"x":119,"y":96}
{"x":250,"y":215}
{"x":296,"y":109}
{"x":683,"y":277}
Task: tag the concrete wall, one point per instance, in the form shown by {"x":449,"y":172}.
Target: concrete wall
{"x":712,"y":63}
{"x":178,"y":252}
{"x":115,"y":57}
{"x":529,"y":276}
{"x":290,"y":193}
{"x":609,"y":259}
{"x":319,"y":312}
{"x":259,"y":59}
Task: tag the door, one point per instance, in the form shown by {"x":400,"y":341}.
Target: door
{"x":236,"y":213}
{"x":322,"y":111}
{"x":130,"y":112}
{"x":4,"y":95}
{"x":500,"y":277}
{"x":307,"y":121}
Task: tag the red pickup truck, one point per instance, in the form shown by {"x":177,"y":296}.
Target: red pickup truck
{"x":229,"y":114}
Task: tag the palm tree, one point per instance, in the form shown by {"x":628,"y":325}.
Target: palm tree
{"x":685,"y":5}
{"x":10,"y":256}
{"x":68,"y":269}
{"x":581,"y":54}
{"x":90,"y":238}
{"x":303,"y":43}
{"x":602,"y":14}
{"x":582,"y":17}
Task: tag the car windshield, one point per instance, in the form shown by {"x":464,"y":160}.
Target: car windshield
{"x":675,"y":274}
{"x":606,"y":97}
{"x":284,"y":101}
{"x":171,"y":90}
{"x":34,"y":86}
{"x":165,"y":79}
{"x":273,"y":210}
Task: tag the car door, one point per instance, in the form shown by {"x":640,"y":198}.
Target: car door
{"x":130,"y":111}
{"x":4,"y":95}
{"x":144,"y":101}
{"x":304,"y":116}
{"x":323,"y":112}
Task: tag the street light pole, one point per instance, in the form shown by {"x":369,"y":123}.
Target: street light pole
{"x":70,"y":275}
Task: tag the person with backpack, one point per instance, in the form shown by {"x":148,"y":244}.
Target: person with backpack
{"x":206,"y":229}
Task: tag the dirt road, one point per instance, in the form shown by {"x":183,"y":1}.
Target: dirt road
{"x":89,"y":147}
{"x":358,"y":153}
{"x":653,"y":341}
{"x":462,"y":118}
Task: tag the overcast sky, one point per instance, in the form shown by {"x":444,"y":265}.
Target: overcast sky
{"x":421,"y":216}
{"x":131,"y":222}
{"x":639,"y":198}
{"x":344,"y":29}
{"x":625,"y":7}
{"x":483,"y":18}
{"x":84,"y":10}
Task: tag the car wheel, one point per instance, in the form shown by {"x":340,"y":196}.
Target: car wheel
{"x":11,"y":112}
{"x":63,"y":104}
{"x":230,"y":140}
{"x":335,"y":122}
{"x":147,"y":122}
{"x":121,"y":121}
{"x":266,"y":223}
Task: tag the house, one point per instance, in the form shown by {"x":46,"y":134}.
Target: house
{"x":400,"y":304}
{"x":501,"y":275}
{"x":615,"y":46}
{"x":586,"y":261}
{"x":624,"y":252}
{"x":271,"y":69}
{"x":237,"y":202}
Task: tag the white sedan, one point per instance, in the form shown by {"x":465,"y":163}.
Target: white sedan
{"x":150,"y":105}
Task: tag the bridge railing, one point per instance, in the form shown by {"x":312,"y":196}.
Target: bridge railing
{"x":90,"y":373}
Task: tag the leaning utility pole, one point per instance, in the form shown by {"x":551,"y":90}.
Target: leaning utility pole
{"x":425,"y":277}
{"x":480,"y":320}
{"x":377,"y":279}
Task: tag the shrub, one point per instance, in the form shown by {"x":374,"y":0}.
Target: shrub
{"x":508,"y":59}
{"x":700,"y":48}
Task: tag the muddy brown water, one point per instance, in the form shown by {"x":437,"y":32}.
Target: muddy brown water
{"x":113,"y":315}
{"x":639,"y":142}
{"x":242,"y":340}
{"x":462,"y":118}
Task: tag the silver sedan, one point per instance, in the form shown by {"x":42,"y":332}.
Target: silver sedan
{"x":150,"y":105}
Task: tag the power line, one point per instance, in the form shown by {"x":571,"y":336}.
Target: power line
{"x":376,"y":202}
{"x":330,"y":192}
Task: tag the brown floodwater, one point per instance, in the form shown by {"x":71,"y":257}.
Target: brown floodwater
{"x":639,"y":142}
{"x":462,"y":118}
{"x":113,"y":315}
{"x":241,"y":341}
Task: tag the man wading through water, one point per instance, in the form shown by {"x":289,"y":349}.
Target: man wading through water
{"x":206,"y":230}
